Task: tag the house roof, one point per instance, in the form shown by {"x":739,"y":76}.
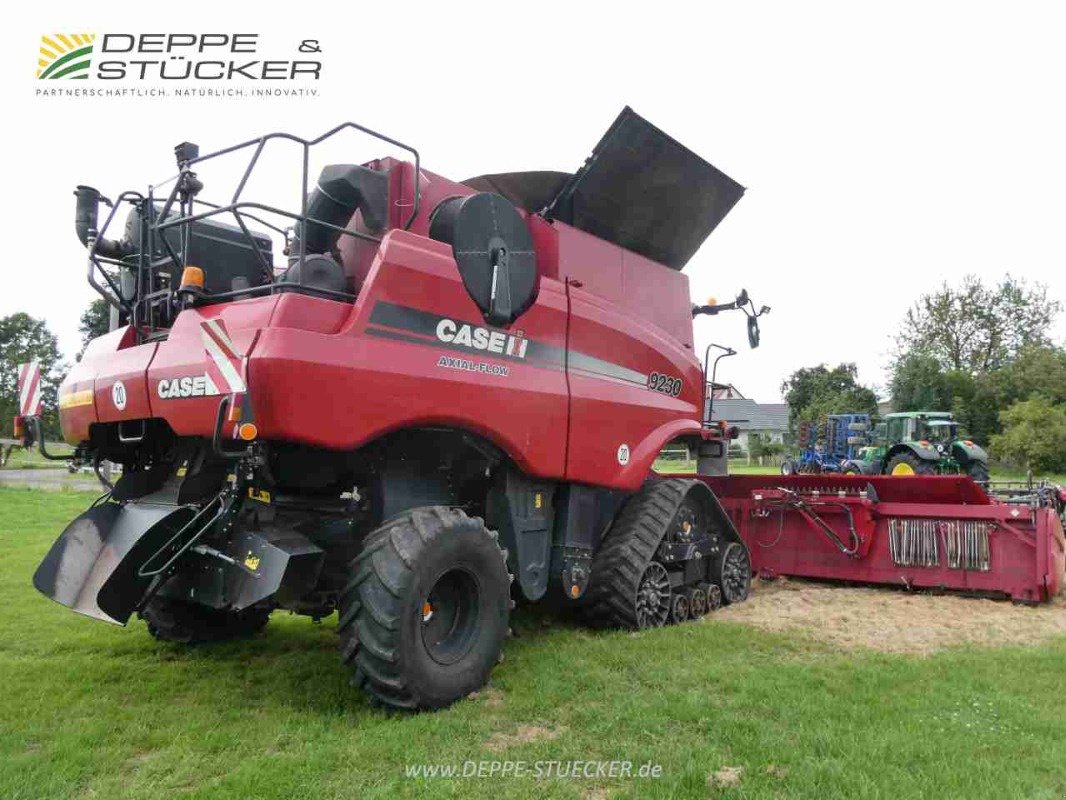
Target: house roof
{"x":751,"y":416}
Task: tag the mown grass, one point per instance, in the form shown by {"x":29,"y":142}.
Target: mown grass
{"x":93,"y":711}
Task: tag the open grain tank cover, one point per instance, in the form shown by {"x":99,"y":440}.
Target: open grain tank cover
{"x":646,"y":192}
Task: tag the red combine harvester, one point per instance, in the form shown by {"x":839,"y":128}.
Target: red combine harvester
{"x":918,"y":532}
{"x":448,"y":387}
{"x":450,"y":395}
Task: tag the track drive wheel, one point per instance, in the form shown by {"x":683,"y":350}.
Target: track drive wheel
{"x":733,"y":573}
{"x":629,"y":589}
{"x":425,"y":612}
{"x":171,"y":620}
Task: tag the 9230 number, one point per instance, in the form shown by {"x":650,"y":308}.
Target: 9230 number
{"x":665,"y":384}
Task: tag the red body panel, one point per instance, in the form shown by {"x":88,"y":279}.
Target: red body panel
{"x":345,"y":390}
{"x":602,"y":359}
{"x":1026,"y":548}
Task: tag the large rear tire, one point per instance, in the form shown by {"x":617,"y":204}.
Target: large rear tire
{"x":978,"y":471}
{"x":907,"y":463}
{"x":172,"y":620}
{"x":425,"y":613}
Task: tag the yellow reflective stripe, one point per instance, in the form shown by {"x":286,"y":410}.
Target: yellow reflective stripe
{"x":75,"y":399}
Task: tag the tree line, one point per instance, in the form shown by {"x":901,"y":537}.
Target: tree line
{"x":983,"y":352}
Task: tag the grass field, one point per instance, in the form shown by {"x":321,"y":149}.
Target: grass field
{"x":93,"y":711}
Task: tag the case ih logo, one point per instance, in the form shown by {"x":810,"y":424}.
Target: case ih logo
{"x":476,"y":338}
{"x":65,"y":55}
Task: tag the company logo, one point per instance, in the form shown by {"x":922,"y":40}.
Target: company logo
{"x":476,"y":338}
{"x":177,"y":57}
{"x":189,"y":386}
{"x":65,"y":55}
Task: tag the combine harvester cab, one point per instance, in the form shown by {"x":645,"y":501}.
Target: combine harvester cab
{"x":443,"y":389}
{"x":920,"y":532}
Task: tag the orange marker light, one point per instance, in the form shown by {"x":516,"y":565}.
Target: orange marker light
{"x":20,"y":428}
{"x":248,"y":431}
{"x":192,"y":278}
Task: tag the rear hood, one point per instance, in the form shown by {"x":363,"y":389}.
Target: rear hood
{"x":178,"y":378}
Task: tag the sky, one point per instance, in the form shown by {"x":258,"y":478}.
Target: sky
{"x":885,"y":148}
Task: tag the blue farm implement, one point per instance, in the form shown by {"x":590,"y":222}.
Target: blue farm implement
{"x":825,"y":446}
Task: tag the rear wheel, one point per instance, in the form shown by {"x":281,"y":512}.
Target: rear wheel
{"x":908,"y":463}
{"x":424,"y":615}
{"x":978,"y":471}
{"x":171,"y":620}
{"x":788,"y":467}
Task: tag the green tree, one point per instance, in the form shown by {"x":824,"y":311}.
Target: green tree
{"x":919,"y":383}
{"x":974,"y":328}
{"x":813,"y":392}
{"x":22,"y":339}
{"x":1034,"y":434}
{"x":95,"y":321}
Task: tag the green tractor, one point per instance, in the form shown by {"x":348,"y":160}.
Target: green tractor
{"x":919,"y":443}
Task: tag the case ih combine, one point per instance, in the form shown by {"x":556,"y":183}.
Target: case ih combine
{"x":452,"y":386}
{"x":452,"y":396}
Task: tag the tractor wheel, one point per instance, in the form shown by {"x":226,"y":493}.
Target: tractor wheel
{"x":788,"y":467}
{"x":628,"y":588}
{"x":732,"y":573}
{"x":172,"y":620}
{"x":909,"y":464}
{"x":979,"y":471}
{"x":851,"y":469}
{"x":425,"y":612}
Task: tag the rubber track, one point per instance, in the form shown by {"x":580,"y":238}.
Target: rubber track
{"x":629,"y":546}
{"x":371,"y":603}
